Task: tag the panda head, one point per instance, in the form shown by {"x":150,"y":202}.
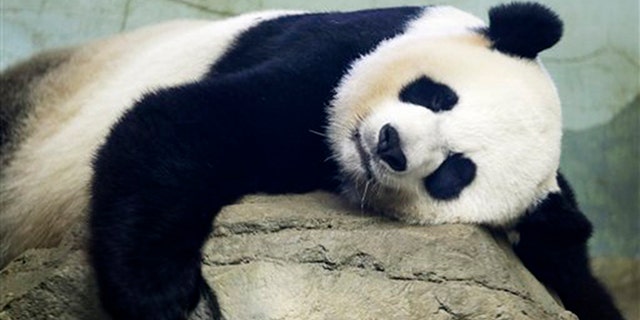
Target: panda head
{"x":453,"y":120}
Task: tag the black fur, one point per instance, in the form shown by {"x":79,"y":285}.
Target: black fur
{"x":523,"y":29}
{"x":430,"y":94}
{"x":181,"y":154}
{"x":553,"y":246}
{"x":453,"y":175}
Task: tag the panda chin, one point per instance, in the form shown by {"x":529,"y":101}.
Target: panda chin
{"x":365,"y":157}
{"x":358,"y":177}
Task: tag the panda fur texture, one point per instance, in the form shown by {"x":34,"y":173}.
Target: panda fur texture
{"x":426,"y":114}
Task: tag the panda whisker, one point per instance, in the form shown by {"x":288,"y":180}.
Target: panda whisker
{"x":340,"y":126}
{"x":318,"y":133}
{"x":364,"y":194}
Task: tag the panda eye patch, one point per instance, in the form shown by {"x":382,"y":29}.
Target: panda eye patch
{"x":430,"y":94}
{"x":453,"y":175}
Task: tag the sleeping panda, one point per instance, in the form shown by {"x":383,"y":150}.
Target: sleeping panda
{"x":426,"y":114}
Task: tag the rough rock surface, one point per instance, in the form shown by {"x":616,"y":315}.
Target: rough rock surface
{"x":308,"y":257}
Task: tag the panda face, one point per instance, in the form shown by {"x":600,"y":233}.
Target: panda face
{"x":437,"y":126}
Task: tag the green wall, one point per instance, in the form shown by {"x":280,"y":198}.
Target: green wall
{"x":596,"y":66}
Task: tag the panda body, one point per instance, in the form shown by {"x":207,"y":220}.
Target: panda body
{"x":425,"y":114}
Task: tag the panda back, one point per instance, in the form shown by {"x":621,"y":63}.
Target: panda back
{"x":58,"y":107}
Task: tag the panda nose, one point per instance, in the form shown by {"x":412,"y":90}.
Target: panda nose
{"x":389,"y":148}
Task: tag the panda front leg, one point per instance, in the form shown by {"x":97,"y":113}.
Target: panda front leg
{"x":160,"y":178}
{"x":553,"y":246}
{"x":147,"y":261}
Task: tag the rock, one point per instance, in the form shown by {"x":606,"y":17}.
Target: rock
{"x":53,"y":283}
{"x":308,"y":257}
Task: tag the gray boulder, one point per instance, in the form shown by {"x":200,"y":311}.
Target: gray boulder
{"x":309,"y":257}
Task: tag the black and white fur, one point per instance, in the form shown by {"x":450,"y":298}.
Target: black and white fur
{"x":425,"y":114}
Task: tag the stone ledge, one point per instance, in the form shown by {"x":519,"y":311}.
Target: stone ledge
{"x":308,"y":257}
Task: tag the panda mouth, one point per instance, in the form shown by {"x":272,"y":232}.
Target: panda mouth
{"x":365,"y":158}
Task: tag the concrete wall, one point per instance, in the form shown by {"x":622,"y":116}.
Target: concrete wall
{"x":596,"y":66}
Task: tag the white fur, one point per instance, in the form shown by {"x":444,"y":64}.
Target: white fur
{"x":507,"y":121}
{"x":444,"y":21}
{"x":44,"y":188}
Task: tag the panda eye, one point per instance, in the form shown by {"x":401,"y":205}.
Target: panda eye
{"x":430,"y":94}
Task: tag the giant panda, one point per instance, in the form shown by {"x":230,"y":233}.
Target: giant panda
{"x":425,"y":114}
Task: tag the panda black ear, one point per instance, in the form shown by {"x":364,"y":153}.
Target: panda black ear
{"x":523,"y":29}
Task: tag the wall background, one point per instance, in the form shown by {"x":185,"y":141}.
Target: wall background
{"x":596,"y":66}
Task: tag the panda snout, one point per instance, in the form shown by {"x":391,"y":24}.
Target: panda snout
{"x":389,"y":150}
